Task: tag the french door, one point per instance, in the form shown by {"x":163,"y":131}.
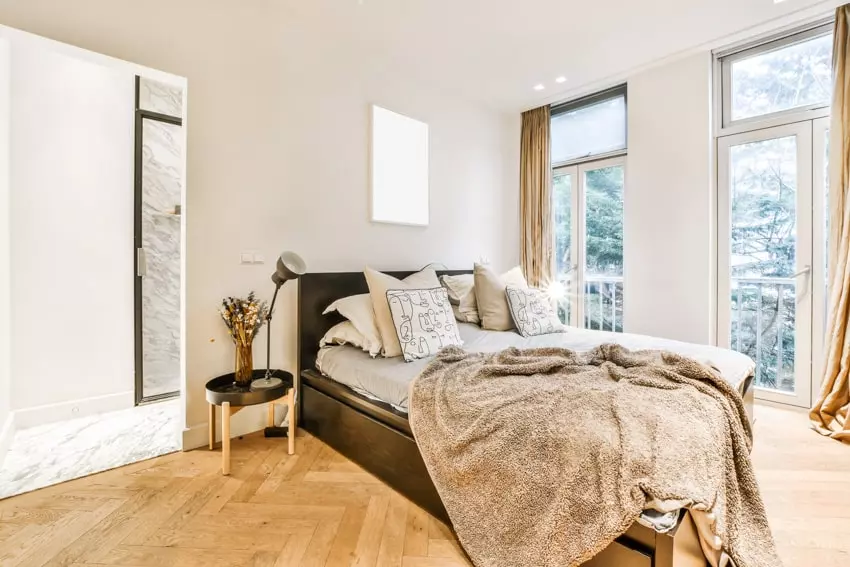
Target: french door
{"x":771,"y":266}
{"x":588,"y":211}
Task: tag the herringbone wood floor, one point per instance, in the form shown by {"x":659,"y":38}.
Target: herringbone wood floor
{"x":316,"y":508}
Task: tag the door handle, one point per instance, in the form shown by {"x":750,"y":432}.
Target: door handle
{"x":805,"y":271}
{"x":141,"y":262}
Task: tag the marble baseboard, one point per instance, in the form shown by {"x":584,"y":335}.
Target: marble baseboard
{"x":7,"y":436}
{"x":73,"y":409}
{"x":49,"y":454}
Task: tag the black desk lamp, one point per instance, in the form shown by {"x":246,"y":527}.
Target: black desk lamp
{"x":290,"y":266}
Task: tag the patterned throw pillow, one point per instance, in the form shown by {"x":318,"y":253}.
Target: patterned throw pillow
{"x":533,"y":311}
{"x":423,"y":320}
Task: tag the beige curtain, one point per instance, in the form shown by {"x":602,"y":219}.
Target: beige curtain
{"x":536,"y":197}
{"x":829,"y":414}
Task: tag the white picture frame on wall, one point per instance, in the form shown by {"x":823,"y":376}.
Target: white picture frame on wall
{"x":399,"y":169}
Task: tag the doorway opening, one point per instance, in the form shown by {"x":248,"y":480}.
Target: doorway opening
{"x":158,"y":190}
{"x":91,"y":197}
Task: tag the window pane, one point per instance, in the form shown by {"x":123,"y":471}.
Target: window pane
{"x":764,"y":208}
{"x":603,"y":294}
{"x":562,"y":196}
{"x":590,"y":130}
{"x":790,"y":77}
{"x":764,"y":240}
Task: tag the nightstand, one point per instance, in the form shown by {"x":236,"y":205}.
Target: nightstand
{"x":222,"y":391}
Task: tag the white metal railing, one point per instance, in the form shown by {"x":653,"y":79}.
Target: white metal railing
{"x":760,"y":315}
{"x":603,"y":303}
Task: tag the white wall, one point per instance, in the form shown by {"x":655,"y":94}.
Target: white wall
{"x":6,"y":424}
{"x":668,"y":226}
{"x":277,"y":157}
{"x":72,"y":231}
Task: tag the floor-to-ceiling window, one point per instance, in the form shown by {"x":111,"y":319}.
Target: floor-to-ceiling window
{"x":772,"y":154}
{"x":588,"y":157}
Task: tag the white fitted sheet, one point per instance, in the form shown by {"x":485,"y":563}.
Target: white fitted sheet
{"x":388,"y":379}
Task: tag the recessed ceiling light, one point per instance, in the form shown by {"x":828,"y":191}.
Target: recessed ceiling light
{"x":561,"y":80}
{"x":539,"y":87}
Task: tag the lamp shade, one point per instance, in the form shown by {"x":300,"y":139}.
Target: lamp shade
{"x":290,"y":266}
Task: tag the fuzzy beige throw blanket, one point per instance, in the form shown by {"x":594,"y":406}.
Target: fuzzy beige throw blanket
{"x":543,"y":457}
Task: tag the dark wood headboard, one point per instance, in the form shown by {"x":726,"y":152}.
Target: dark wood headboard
{"x":316,"y":292}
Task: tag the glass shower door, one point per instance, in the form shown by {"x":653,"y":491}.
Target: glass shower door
{"x":159,"y":180}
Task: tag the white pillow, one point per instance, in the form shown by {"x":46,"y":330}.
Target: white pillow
{"x":358,"y":310}
{"x":532,"y":311}
{"x":344,"y":333}
{"x":379,"y":284}
{"x":423,"y":321}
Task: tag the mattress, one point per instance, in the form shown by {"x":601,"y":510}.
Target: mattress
{"x":388,"y":379}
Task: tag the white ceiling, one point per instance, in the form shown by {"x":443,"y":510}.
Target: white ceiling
{"x":495,"y":51}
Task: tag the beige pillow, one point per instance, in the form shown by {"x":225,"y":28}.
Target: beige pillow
{"x":457,"y":286}
{"x":379,"y":284}
{"x":491,"y":297}
{"x":461,"y":291}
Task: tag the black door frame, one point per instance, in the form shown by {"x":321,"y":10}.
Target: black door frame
{"x":141,"y":116}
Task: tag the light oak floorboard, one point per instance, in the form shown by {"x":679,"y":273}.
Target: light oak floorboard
{"x":317,"y":509}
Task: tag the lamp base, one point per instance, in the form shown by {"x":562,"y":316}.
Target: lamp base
{"x":276,"y":432}
{"x":266,"y":383}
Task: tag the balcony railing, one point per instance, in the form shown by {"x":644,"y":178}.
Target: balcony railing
{"x":603,"y":302}
{"x":763,"y":320}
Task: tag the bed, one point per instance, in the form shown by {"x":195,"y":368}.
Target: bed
{"x":361,"y":412}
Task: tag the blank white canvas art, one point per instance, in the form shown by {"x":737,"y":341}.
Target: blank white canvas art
{"x":400,"y":161}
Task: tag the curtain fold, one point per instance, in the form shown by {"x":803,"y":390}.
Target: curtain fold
{"x":536,"y":220}
{"x":829,"y":414}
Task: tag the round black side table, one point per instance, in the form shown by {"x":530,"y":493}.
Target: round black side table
{"x":224,"y":392}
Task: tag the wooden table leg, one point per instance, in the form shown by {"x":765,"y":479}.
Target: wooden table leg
{"x":271,"y":414}
{"x":212,"y":426}
{"x":293,"y":426}
{"x":225,"y":438}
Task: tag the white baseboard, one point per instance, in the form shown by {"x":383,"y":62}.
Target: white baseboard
{"x":7,"y":435}
{"x":249,"y":420}
{"x":50,"y":413}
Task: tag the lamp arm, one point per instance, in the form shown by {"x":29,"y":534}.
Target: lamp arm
{"x":269,"y":332}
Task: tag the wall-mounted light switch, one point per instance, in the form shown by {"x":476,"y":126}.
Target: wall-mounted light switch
{"x":246,"y":258}
{"x":259,"y":258}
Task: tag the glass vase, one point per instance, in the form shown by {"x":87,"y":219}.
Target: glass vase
{"x":244,"y":365}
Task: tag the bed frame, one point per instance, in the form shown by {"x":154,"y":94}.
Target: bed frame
{"x":378,"y":437}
